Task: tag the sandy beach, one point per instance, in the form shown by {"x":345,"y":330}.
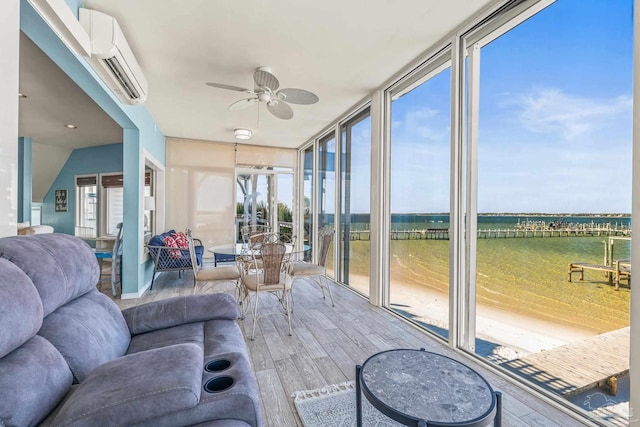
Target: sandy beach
{"x":514,"y":334}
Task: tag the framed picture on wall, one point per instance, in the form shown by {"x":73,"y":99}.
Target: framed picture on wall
{"x":62,"y":200}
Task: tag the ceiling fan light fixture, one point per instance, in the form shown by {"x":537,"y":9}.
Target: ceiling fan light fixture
{"x":242,"y":133}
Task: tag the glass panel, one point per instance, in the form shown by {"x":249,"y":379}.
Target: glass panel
{"x":285,"y":205}
{"x":420,"y":175}
{"x":355,"y":210}
{"x":554,"y":190}
{"x":254,"y":194}
{"x":307,"y":203}
{"x":115,"y":208}
{"x":327,"y":190}
{"x":86,"y":211}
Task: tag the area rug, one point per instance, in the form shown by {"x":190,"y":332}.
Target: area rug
{"x":335,"y":406}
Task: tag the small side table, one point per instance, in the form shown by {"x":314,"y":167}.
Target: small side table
{"x":423,"y":389}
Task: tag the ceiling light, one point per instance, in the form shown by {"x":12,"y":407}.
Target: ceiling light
{"x":242,"y":133}
{"x":70,"y":126}
{"x":21,"y":95}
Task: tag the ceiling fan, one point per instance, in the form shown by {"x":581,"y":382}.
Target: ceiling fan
{"x":266,"y":91}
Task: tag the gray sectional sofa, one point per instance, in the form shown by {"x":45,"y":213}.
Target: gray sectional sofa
{"x":70,"y":357}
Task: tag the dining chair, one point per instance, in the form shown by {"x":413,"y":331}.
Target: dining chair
{"x":267,"y":272}
{"x":226,"y":273}
{"x":115,"y":255}
{"x":316,"y":271}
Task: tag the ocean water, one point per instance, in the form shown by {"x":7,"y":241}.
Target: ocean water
{"x":524,"y":275}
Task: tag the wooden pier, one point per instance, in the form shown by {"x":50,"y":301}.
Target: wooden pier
{"x":615,"y":269}
{"x":620,"y":270}
{"x":503,"y":233}
{"x":572,"y":368}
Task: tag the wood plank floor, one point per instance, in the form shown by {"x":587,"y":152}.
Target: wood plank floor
{"x":327,"y":343}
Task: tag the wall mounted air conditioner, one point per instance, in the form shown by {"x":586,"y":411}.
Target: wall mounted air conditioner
{"x":112,"y":58}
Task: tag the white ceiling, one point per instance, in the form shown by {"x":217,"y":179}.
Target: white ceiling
{"x":53,"y":100}
{"x":340,"y":50}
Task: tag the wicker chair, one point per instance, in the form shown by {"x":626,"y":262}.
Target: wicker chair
{"x":267,"y":272}
{"x":317,"y":271}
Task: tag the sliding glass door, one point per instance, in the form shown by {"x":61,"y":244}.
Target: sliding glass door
{"x":420,"y":175}
{"x":355,"y":202}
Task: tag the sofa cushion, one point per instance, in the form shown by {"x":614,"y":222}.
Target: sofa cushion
{"x":88,"y":331}
{"x":180,"y":310}
{"x":33,"y":379}
{"x":137,"y":388}
{"x":62,"y":267}
{"x":20,"y":308}
{"x":181,"y":334}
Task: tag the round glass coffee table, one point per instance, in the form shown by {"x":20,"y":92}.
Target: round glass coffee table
{"x":420,"y":388}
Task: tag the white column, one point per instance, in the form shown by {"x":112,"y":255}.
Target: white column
{"x":9,"y":68}
{"x":634,"y":354}
{"x":379,"y":246}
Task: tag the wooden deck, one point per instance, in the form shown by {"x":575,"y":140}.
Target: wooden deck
{"x":328,"y":342}
{"x":570,"y":369}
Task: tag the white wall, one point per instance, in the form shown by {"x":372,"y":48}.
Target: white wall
{"x":47,"y":162}
{"x":9,"y":66}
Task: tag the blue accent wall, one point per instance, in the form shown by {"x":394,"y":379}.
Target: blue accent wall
{"x":83,"y":161}
{"x":140,"y":134}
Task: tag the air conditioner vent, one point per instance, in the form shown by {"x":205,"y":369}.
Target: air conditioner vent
{"x":112,"y":58}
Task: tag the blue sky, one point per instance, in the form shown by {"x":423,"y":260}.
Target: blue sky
{"x":555,"y":119}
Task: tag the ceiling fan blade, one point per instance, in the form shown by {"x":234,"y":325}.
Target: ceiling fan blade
{"x":229,"y":87}
{"x":264,"y":78}
{"x":298,"y":96}
{"x":243,"y":103}
{"x":281,"y":110}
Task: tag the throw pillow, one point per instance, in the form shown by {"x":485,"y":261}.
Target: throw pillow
{"x":181,"y":240}
{"x":170,"y":242}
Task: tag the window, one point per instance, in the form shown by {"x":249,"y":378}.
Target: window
{"x":113,"y":198}
{"x":86,"y":207}
{"x":550,"y":147}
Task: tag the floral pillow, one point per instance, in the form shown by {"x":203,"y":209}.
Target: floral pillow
{"x":170,"y":242}
{"x":181,"y":240}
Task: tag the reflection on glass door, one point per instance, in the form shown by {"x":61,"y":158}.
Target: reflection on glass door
{"x":327,"y":189}
{"x":265,"y":201}
{"x":307,"y":202}
{"x":420,"y":197}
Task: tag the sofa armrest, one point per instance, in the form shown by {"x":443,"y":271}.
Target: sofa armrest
{"x":136,"y":388}
{"x":180,"y":310}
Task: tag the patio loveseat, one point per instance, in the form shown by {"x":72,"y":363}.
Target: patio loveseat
{"x":70,"y":357}
{"x":170,"y":252}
